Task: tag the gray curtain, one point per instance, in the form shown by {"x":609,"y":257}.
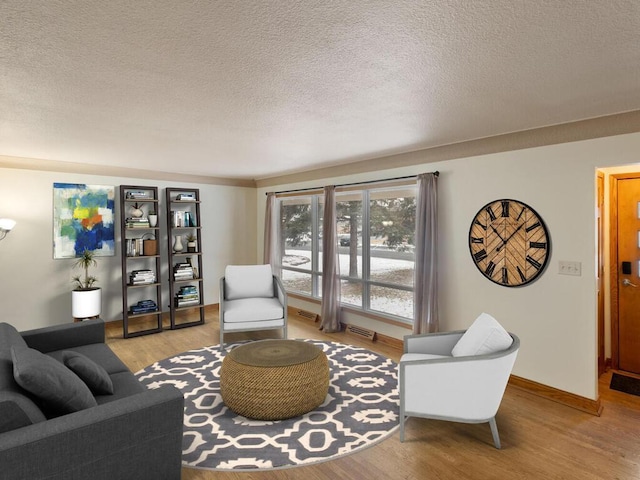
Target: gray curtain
{"x":330,"y":310}
{"x":271,"y":236}
{"x":426,"y":269}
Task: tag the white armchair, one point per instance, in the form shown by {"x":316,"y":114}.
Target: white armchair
{"x":251,"y":298}
{"x":465,"y":388}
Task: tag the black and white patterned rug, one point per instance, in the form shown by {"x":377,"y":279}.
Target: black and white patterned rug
{"x":361,"y":409}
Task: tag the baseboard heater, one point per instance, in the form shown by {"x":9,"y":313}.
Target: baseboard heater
{"x":308,"y":315}
{"x":361,"y":332}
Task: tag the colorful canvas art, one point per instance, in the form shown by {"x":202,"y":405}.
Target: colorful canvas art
{"x":83,"y":219}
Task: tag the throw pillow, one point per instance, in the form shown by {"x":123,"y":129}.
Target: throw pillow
{"x":484,"y":336}
{"x":57,"y":387}
{"x":96,"y":377}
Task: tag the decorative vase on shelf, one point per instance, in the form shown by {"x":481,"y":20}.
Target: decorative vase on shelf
{"x":136,"y":211}
{"x":177,"y":244}
{"x":153,"y":220}
{"x":191,"y":243}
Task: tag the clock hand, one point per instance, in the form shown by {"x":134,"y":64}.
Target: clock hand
{"x":496,"y":232}
{"x":504,"y":242}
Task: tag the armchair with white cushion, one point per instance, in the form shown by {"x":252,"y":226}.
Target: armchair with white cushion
{"x":457,"y":376}
{"x":251,"y":298}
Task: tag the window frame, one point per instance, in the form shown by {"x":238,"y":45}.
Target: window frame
{"x":365,"y":281}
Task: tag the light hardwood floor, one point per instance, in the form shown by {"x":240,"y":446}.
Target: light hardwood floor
{"x":541,"y":439}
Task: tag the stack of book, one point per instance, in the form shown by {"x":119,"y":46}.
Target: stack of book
{"x":186,"y":197}
{"x":187,"y":296}
{"x":143,"y":306}
{"x":139,"y":222}
{"x":139,"y":195}
{"x":183,"y":271}
{"x":134,"y":247}
{"x":142,"y":277}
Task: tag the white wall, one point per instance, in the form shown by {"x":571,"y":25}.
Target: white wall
{"x":555,"y":317}
{"x":35,"y":288}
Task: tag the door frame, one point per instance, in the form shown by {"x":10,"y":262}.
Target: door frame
{"x":601,"y":271}
{"x":613,"y":263}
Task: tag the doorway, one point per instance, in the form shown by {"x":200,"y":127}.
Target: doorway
{"x":624,"y":231}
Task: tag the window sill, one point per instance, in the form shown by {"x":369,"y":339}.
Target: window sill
{"x":355,"y":311}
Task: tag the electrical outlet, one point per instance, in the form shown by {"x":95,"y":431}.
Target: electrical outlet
{"x":569,"y":268}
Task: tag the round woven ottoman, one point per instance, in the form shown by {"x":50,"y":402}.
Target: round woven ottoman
{"x":274,"y":379}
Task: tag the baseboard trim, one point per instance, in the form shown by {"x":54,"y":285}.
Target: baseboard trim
{"x":593,"y":407}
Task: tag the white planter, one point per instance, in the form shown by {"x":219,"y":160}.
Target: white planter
{"x":86,"y":303}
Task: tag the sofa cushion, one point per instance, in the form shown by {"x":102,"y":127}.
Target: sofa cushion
{"x":484,"y":336}
{"x":92,"y":374}
{"x":100,"y":353}
{"x":12,"y":416}
{"x":252,"y":310}
{"x":247,"y":281}
{"x":57,"y":387}
{"x":125,"y":384}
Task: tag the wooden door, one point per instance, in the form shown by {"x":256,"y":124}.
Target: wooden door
{"x":628,"y":278}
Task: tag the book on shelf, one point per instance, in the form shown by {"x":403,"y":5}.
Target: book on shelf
{"x":142,"y":277}
{"x":183,"y":271}
{"x":181,"y":218}
{"x":139,"y":195}
{"x":187,"y":296}
{"x":134,"y":247}
{"x":143,"y":306}
{"x":186,"y":197}
{"x":140,"y":222}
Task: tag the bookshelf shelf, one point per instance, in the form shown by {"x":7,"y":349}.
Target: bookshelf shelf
{"x":154,"y":284}
{"x":140,"y":315}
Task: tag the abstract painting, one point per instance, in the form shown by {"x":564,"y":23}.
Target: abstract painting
{"x":83,"y":219}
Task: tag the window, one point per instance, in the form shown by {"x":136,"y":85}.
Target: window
{"x":297,"y":229}
{"x":376,"y":228}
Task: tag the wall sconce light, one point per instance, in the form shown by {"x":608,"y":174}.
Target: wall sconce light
{"x":6,"y":224}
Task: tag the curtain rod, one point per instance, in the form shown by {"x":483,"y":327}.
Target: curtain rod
{"x":436,"y":173}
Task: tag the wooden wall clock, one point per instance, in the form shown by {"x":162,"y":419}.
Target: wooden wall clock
{"x":509,"y":243}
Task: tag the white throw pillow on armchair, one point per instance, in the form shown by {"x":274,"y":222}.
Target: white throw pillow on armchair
{"x":484,"y":336}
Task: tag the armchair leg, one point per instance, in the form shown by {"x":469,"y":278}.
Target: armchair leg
{"x":494,"y":432}
{"x":221,"y":339}
{"x":402,"y":419}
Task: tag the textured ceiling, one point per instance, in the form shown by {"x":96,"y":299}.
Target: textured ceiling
{"x":256,"y":89}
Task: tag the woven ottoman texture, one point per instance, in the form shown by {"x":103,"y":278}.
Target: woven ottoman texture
{"x":274,"y":379}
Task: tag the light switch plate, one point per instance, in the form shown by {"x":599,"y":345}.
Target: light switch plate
{"x":570,"y":268}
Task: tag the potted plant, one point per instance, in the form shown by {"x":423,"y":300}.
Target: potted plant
{"x":191,"y":243}
{"x":86,"y":299}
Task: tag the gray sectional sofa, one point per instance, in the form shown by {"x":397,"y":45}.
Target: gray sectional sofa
{"x":133,"y":433}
